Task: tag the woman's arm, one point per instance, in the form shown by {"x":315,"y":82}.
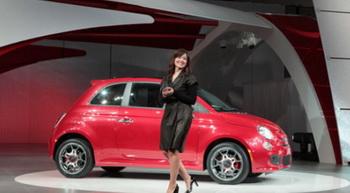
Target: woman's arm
{"x":188,"y":98}
{"x":161,"y":98}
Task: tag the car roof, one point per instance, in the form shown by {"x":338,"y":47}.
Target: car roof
{"x":125,"y":79}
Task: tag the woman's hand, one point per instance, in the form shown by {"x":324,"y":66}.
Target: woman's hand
{"x":167,"y":91}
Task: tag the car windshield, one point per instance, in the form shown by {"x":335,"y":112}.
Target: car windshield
{"x":215,"y":102}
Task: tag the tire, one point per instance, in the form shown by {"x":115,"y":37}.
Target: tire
{"x":74,"y":158}
{"x":113,"y":169}
{"x":228,"y":163}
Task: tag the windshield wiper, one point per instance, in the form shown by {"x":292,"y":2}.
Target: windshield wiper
{"x":234,"y":110}
{"x":225,"y":109}
{"x":218,"y":108}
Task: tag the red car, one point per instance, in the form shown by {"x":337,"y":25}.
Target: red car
{"x":116,"y":124}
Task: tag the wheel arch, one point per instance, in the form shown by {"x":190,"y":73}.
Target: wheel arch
{"x":72,"y":136}
{"x":224,"y":140}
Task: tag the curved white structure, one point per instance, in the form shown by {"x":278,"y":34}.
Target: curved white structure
{"x":333,"y":17}
{"x":204,"y":10}
{"x":23,"y":20}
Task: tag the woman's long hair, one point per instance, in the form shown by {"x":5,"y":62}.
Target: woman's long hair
{"x":187,"y":70}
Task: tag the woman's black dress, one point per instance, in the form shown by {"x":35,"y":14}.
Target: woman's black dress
{"x":177,"y":116}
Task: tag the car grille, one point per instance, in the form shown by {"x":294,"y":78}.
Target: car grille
{"x":276,"y":159}
{"x":286,"y":160}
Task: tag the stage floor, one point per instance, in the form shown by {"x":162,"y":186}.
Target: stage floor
{"x":25,"y":168}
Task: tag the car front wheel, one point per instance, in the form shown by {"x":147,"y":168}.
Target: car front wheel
{"x":227,"y":163}
{"x":74,"y":158}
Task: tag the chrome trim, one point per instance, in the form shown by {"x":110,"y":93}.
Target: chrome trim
{"x":126,"y":95}
{"x":124,"y":120}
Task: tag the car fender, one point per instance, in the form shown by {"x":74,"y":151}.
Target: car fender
{"x":66,"y":130}
{"x":244,"y":139}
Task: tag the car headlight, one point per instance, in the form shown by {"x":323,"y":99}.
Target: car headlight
{"x":265,"y":132}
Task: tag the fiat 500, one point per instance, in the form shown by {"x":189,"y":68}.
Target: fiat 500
{"x":116,"y":124}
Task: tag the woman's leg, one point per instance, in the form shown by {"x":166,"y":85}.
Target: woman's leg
{"x":174,"y":160}
{"x":182,"y":171}
{"x":184,"y":174}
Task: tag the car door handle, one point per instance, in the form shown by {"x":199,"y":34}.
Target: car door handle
{"x":125,"y":120}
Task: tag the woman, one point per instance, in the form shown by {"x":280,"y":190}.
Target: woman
{"x":179,"y":92}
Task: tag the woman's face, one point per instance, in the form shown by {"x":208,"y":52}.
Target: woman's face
{"x":181,"y":61}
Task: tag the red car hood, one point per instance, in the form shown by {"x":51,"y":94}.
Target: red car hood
{"x":247,"y":120}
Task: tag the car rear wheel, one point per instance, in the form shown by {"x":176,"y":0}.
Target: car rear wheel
{"x":112,"y":169}
{"x":74,"y":158}
{"x":227,"y":163}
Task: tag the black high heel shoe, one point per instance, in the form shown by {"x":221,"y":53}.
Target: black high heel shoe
{"x":176,"y":189}
{"x":193,"y":180}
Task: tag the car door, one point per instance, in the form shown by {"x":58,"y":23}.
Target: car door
{"x":101,"y":116}
{"x":138,"y":129}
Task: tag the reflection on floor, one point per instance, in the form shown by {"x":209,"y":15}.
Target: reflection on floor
{"x":26,"y":168}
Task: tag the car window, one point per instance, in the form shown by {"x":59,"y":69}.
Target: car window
{"x":217,"y":104}
{"x":144,"y":95}
{"x":110,"y":95}
{"x":198,"y":108}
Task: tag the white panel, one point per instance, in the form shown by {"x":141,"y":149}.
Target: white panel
{"x":27,"y":19}
{"x":332,"y":5}
{"x":249,"y":6}
{"x":338,"y":71}
{"x":200,"y":9}
{"x":335,"y":33}
{"x":333,"y":18}
{"x":343,"y":121}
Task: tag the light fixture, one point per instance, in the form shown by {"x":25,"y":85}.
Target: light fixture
{"x":239,"y":39}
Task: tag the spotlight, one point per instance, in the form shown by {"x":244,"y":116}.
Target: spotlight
{"x":223,"y":44}
{"x":249,"y":39}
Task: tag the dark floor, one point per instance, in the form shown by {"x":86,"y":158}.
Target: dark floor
{"x":19,"y":159}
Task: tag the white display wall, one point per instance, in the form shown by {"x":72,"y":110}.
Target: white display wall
{"x":333,"y":19}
